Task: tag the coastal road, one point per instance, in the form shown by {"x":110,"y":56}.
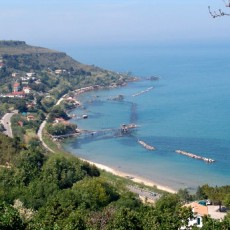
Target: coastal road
{"x":7,"y":124}
{"x":43,"y":124}
{"x":39,"y":133}
{"x":61,"y":99}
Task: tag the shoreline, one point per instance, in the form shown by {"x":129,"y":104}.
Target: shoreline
{"x":116,"y":172}
{"x":134,"y":178}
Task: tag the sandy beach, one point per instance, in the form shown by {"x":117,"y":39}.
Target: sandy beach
{"x":132,"y":177}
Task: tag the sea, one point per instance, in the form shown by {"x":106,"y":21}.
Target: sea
{"x":187,"y":108}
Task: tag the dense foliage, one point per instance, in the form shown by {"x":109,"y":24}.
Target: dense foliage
{"x":40,"y":191}
{"x":62,"y":192}
{"x":61,"y":129}
{"x":9,"y":149}
{"x":217,"y":195}
{"x":57,"y":112}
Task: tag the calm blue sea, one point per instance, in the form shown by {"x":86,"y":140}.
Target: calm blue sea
{"x":188,"y":109}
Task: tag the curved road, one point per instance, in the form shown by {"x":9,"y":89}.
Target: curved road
{"x":39,"y":133}
{"x":41,"y":127}
{"x":6,"y":123}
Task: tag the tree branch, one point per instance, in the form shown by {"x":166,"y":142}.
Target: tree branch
{"x":220,"y":13}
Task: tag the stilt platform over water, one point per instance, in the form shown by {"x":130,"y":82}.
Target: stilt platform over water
{"x":124,"y":129}
{"x":205,"y":159}
{"x":127,"y":127}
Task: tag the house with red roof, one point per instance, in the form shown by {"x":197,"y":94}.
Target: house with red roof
{"x":199,"y":211}
{"x":16,"y":87}
{"x":18,"y":94}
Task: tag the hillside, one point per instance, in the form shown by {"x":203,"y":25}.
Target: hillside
{"x":32,"y":79}
{"x":18,"y":55}
{"x":53,"y":72}
{"x":42,"y":190}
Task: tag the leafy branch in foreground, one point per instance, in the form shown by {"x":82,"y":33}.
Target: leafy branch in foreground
{"x":219,"y":13}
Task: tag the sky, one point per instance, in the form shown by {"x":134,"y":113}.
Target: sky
{"x":97,"y":22}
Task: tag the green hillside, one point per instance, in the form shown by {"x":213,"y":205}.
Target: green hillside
{"x":56,"y":191}
{"x":54,"y":70}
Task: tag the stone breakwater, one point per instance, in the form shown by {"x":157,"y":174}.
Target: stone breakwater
{"x":143,"y":91}
{"x":208,"y":160}
{"x":148,"y":147}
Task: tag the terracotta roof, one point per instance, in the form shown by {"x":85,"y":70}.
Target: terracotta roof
{"x":198,"y":208}
{"x":16,"y":84}
{"x":18,"y":93}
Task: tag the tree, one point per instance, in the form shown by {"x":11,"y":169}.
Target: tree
{"x":129,"y":200}
{"x":170,"y":214}
{"x":9,"y":218}
{"x":220,"y":12}
{"x":226,"y":201}
{"x":184,"y":195}
{"x":149,"y":217}
{"x":209,"y":223}
{"x":9,"y":148}
{"x":63,"y":171}
{"x":217,"y":194}
{"x":125,"y":219}
{"x":75,"y":221}
{"x":61,"y":129}
{"x":94,"y":193}
{"x":29,"y":165}
{"x":57,"y":111}
{"x":20,"y":105}
{"x":200,"y":194}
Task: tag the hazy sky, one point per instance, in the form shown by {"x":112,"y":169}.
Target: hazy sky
{"x":44,"y":22}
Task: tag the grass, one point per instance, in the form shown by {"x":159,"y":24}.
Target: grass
{"x":51,"y":144}
{"x":30,"y":134}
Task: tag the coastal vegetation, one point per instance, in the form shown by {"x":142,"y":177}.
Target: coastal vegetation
{"x":40,"y":189}
{"x":62,"y":192}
